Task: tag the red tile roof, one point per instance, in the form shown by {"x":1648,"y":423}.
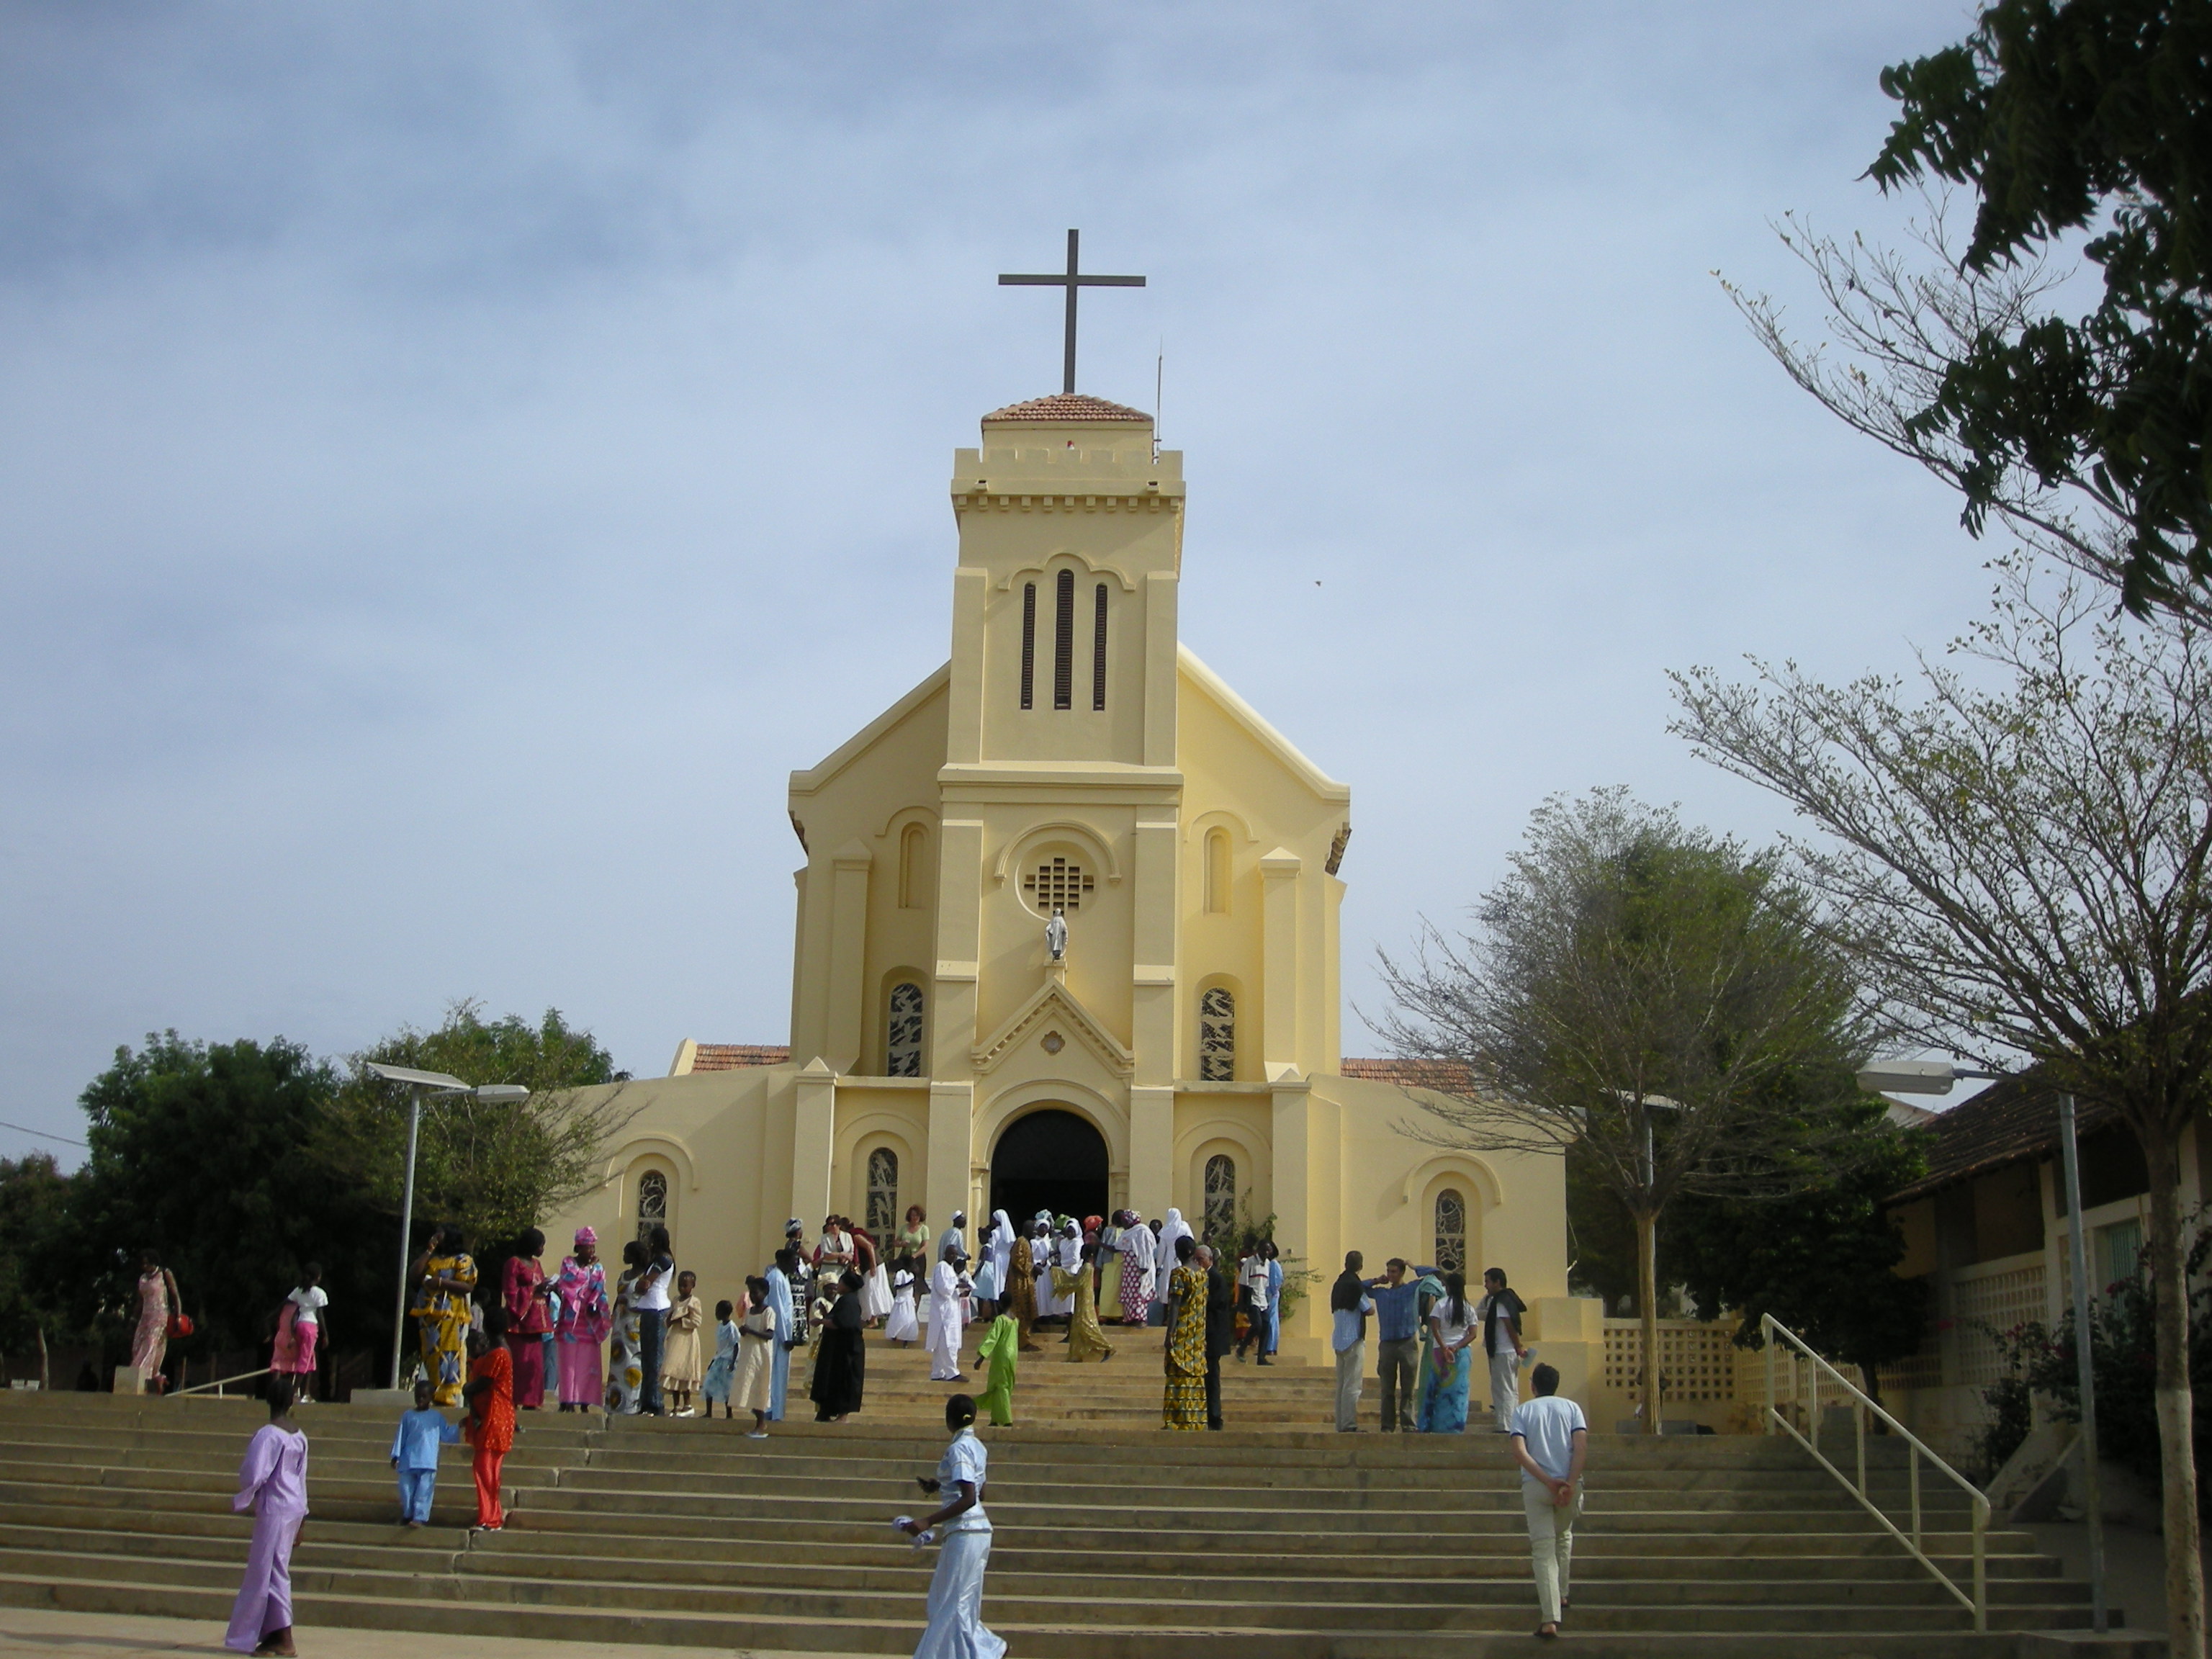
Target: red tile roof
{"x":730,"y":1056}
{"x":1068,"y":406}
{"x":1451,"y":1076}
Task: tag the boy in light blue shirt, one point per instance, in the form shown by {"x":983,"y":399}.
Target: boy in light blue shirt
{"x":1550,"y":1439}
{"x":414,"y":1454}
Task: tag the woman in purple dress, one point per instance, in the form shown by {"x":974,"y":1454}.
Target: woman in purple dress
{"x":272,"y":1482}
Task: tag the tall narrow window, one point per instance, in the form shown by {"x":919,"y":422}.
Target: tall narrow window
{"x":1063,"y":641}
{"x":1451,"y":1231}
{"x":913,"y":877}
{"x":1029,"y":645}
{"x":883,"y":1192}
{"x":1098,"y":653}
{"x":1216,"y":1036}
{"x":652,"y":1201}
{"x":1220,"y":1196}
{"x":903,"y":1044}
{"x":1217,"y":872}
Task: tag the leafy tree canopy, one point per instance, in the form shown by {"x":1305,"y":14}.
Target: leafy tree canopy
{"x":33,"y":1299}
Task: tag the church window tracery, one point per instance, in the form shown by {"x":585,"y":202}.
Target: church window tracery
{"x":1029,"y":645}
{"x":1216,"y":1036}
{"x":1098,"y":654}
{"x":1058,"y":884}
{"x":652,"y":1202}
{"x":913,"y":877}
{"x":902,"y":1042}
{"x":1451,"y":1231}
{"x":1217,"y":872}
{"x":1063,"y":641}
{"x":1220,"y":1208}
{"x":883,"y":1192}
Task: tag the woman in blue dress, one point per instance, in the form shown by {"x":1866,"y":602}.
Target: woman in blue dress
{"x":1451,"y":1328}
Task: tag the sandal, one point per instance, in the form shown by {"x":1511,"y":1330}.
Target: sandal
{"x":1548,"y":1631}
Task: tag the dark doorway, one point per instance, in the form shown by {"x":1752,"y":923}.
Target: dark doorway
{"x":1049,"y":1160}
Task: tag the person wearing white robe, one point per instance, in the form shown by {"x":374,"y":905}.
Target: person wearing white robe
{"x":901,"y":1326}
{"x":1164,"y":1255}
{"x":948,"y":1300}
{"x":954,"y":1237}
{"x":963,"y":1531}
{"x":1068,"y":1256}
{"x":991,"y":1269}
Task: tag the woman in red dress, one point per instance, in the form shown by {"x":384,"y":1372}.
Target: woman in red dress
{"x":526,"y":1292}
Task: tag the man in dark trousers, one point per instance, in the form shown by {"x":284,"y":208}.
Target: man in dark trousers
{"x":1220,"y":1327}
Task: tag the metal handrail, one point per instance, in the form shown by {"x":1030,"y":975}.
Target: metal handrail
{"x":220,"y":1382}
{"x":1777,"y":1333}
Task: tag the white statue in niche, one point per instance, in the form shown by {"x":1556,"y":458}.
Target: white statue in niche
{"x":1055,"y":935}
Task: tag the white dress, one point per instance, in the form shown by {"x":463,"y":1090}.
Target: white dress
{"x":901,"y":1326}
{"x":875,"y":1293}
{"x":956,"y":1628}
{"x":947,"y":1319}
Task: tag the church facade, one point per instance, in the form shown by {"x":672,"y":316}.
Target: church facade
{"x":1180,"y":1048}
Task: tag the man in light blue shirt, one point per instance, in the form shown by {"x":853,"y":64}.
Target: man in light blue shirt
{"x":1349,"y":1304}
{"x":1549,"y":1441}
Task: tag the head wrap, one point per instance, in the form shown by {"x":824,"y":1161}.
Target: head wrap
{"x":1164,"y":1255}
{"x":586,"y":1235}
{"x":1001,"y":1248}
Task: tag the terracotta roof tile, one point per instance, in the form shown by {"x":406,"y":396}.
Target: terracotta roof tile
{"x":1066,"y":406}
{"x":730,"y":1056}
{"x":1451,"y":1075}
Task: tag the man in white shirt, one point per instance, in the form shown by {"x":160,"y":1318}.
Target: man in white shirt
{"x":1499,"y":1313}
{"x":1550,"y":1439}
{"x":1349,"y":1305}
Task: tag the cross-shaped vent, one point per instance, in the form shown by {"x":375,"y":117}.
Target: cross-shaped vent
{"x":1057,"y":883}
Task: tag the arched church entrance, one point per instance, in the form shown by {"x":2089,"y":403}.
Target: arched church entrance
{"x":1049,"y":1160}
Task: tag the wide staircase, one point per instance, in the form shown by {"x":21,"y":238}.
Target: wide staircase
{"x":1278,"y":1539}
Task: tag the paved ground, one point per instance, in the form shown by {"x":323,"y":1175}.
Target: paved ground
{"x":2135,"y":1566}
{"x":25,"y":1630}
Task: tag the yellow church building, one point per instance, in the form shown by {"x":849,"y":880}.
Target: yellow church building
{"x":1181,"y":1049}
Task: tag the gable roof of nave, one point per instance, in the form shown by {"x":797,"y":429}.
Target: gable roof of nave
{"x":822,"y":772}
{"x":1199,"y":677}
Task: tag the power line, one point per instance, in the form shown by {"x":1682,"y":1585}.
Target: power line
{"x":43,"y":1134}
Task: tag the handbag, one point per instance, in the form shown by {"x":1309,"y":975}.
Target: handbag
{"x":181,"y":1325}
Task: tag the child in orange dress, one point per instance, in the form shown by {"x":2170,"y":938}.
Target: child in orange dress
{"x":490,"y":1394}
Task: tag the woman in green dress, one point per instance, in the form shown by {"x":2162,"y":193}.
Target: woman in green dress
{"x":1185,"y":1405}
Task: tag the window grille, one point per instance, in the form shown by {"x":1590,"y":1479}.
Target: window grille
{"x":903,"y":1041}
{"x":1216,"y":1036}
{"x":1451,"y":1231}
{"x":1220,"y":1212}
{"x":1063,"y":641}
{"x":1057,"y":883}
{"x":1098,"y":654}
{"x":883,"y":1193}
{"x":652,"y":1201}
{"x":1029,"y":645}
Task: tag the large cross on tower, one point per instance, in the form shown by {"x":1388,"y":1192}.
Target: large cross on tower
{"x":1071,"y":282}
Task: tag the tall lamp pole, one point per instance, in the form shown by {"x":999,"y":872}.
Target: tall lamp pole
{"x":420,"y":1085}
{"x":1935,"y":1077}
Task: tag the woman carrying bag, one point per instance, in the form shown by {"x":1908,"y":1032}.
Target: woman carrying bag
{"x":160,"y":1316}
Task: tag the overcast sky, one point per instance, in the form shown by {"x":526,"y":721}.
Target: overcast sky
{"x":455,"y":460}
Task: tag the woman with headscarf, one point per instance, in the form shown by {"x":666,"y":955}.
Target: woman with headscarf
{"x":1134,"y":1247}
{"x":582,"y":1316}
{"x":445,"y":1280}
{"x":1165,"y":1255}
{"x":1021,"y":1287}
{"x":841,"y":1363}
{"x":1453,"y":1323}
{"x":1084,"y":1339}
{"x":1184,"y":1407}
{"x":994,"y":1357}
{"x":526,"y":1292}
{"x":948,"y":1303}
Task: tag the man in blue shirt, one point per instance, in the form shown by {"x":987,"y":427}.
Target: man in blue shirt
{"x":1397,"y":1339}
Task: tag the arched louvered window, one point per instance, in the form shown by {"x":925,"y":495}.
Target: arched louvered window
{"x":913,"y":873}
{"x":1063,"y":641}
{"x":1217,"y":872}
{"x":883,"y":1193}
{"x":903,"y":1045}
{"x":652,"y":1201}
{"x":1220,"y":1210}
{"x":1216,"y":1036}
{"x":1029,"y":645}
{"x":1451,"y":1231}
{"x":1098,"y":653}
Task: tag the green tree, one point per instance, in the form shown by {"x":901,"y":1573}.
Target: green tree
{"x":202,"y":1152}
{"x":494,"y":1169}
{"x":1641,"y":991}
{"x":35,"y":1306}
{"x":2020,"y":862}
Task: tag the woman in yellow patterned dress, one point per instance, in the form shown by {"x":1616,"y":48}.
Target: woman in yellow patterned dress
{"x":1185,"y":1406}
{"x":446,"y":1278}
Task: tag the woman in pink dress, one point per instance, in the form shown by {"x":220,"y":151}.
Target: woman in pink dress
{"x":157,"y":1301}
{"x":526,"y":1291}
{"x":272,"y":1482}
{"x":582,"y":1316}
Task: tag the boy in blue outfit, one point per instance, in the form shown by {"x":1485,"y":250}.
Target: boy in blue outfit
{"x":414,"y":1454}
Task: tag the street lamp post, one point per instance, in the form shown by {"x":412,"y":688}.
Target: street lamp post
{"x":1930,"y":1077}
{"x":419,"y":1085}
